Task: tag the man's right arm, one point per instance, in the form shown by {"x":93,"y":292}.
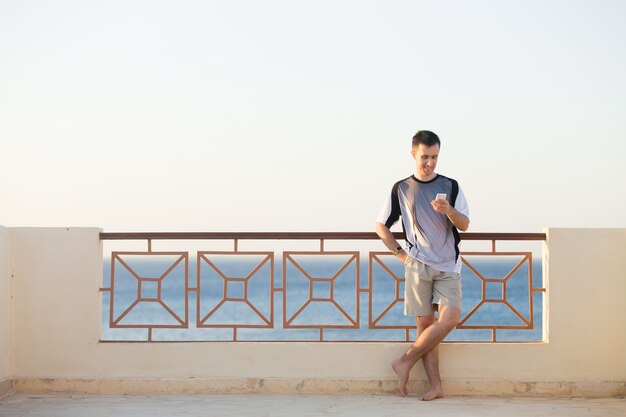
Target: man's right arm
{"x":387,"y":237}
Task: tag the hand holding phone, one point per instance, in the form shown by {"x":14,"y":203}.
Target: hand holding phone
{"x":440,"y":204}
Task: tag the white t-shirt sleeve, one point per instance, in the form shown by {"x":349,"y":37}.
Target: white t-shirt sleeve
{"x":390,"y":213}
{"x":461,"y":203}
{"x":385,"y":211}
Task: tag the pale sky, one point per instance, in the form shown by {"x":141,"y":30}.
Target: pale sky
{"x":298,"y":115}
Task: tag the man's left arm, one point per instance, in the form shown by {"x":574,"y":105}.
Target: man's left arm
{"x":458,"y":219}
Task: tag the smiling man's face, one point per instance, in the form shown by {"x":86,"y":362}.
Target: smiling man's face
{"x":426,"y":161}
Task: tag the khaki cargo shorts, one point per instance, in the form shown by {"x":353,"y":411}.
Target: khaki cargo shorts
{"x":425,"y":287}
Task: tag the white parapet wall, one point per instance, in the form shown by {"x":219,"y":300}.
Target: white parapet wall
{"x":55,"y":326}
{"x":5,"y":300}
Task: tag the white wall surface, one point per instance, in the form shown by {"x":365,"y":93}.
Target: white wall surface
{"x":5,"y":297}
{"x":587,"y":295}
{"x":57,"y":273}
{"x":56,"y":311}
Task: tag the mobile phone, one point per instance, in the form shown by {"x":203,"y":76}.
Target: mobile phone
{"x":441,"y":196}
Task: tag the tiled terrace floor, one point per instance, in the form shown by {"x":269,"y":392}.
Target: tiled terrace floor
{"x":30,"y":405}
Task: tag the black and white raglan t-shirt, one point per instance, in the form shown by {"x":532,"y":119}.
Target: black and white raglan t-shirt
{"x":431,"y":237}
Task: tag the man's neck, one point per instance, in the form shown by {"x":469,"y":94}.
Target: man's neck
{"x":425,"y":179}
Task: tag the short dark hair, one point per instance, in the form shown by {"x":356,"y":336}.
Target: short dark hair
{"x":427,"y":138}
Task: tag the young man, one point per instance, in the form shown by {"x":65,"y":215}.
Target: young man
{"x":432,"y":261}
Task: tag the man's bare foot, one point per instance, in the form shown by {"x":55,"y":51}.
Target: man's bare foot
{"x":402,"y":370}
{"x":431,"y":395}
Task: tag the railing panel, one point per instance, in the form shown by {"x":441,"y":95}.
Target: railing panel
{"x":317,"y":295}
{"x":148,"y":290}
{"x":330,"y":299}
{"x":505,"y":300}
{"x":235,"y":290}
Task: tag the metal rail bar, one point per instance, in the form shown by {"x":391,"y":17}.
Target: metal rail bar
{"x":298,"y":236}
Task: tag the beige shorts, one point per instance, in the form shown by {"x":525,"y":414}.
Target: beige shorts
{"x":425,"y":287}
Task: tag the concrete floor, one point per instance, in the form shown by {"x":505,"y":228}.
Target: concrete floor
{"x":301,"y":405}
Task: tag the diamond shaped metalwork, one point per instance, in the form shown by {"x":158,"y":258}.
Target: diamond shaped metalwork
{"x":149,"y":291}
{"x":316,"y":296}
{"x":397,"y":299}
{"x":235,"y":292}
{"x":526,"y":258}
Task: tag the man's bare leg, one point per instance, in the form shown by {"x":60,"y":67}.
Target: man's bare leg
{"x":431,"y":363}
{"x":426,"y":341}
{"x":403,"y":377}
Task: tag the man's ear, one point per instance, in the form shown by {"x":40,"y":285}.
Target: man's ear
{"x":413,"y":150}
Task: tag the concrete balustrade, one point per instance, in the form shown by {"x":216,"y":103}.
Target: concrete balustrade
{"x":50,"y":312}
{"x":5,"y":304}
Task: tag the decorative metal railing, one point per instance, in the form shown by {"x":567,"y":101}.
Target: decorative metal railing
{"x":236,"y":295}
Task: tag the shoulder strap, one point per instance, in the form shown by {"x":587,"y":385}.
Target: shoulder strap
{"x":455,"y":232}
{"x":454,"y":192}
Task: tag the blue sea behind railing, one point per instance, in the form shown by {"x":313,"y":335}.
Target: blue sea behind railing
{"x":297,"y":293}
